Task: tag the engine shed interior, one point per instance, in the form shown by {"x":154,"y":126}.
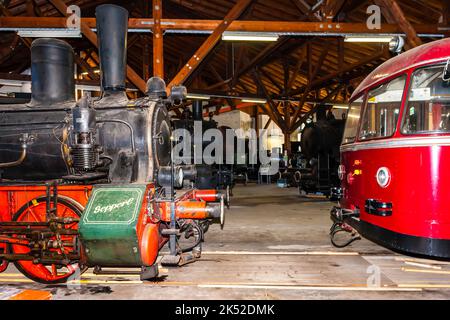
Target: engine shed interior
{"x":224,"y":150}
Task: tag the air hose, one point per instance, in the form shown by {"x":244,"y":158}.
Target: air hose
{"x":337,"y":228}
{"x":198,"y":240}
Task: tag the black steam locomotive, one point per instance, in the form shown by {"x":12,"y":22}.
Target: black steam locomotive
{"x":91,"y":183}
{"x":319,"y":145}
{"x":207,"y":176}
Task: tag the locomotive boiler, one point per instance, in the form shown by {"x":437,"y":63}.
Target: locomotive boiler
{"x":394,"y":156}
{"x":319,"y":145}
{"x":91,"y":183}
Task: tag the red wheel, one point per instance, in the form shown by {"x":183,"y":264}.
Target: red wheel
{"x":3,"y":263}
{"x":35,"y":211}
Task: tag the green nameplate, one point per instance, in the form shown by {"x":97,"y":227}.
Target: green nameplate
{"x":108,"y":226}
{"x":114,"y":205}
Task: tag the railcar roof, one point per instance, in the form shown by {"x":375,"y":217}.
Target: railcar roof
{"x":428,"y":53}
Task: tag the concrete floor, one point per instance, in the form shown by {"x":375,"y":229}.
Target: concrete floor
{"x":275,"y":245}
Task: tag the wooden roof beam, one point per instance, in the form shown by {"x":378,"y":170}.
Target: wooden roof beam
{"x":237,"y":25}
{"x":210,"y":42}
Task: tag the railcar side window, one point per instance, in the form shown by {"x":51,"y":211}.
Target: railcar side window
{"x":382,"y":110}
{"x":428,"y":108}
{"x":351,"y":125}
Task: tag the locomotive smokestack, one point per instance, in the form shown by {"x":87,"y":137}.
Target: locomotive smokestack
{"x":52,"y":71}
{"x":197,"y":110}
{"x":112,"y":28}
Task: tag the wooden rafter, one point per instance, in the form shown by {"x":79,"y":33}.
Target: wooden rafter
{"x":296,"y":70}
{"x":323,"y":81}
{"x":446,"y":13}
{"x":312,"y":77}
{"x":210,"y":42}
{"x":86,"y":67}
{"x":399,"y":17}
{"x":332,"y":8}
{"x":271,"y":107}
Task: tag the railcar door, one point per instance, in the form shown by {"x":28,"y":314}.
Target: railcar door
{"x":365,"y":152}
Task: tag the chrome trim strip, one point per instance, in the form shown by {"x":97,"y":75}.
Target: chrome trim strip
{"x":397,"y":143}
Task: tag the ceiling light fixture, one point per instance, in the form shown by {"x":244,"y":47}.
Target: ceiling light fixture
{"x":371,"y":39}
{"x":254,"y":100}
{"x":50,"y":33}
{"x":249,"y":36}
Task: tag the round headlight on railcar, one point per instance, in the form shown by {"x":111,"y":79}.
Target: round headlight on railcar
{"x":383,"y":177}
{"x":341,"y":172}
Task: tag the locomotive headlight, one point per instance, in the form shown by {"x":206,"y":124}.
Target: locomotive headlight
{"x":383,"y":177}
{"x":341,"y":172}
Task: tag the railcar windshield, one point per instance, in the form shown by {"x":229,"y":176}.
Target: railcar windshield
{"x":351,"y":124}
{"x":382,"y":110}
{"x":428,"y":107}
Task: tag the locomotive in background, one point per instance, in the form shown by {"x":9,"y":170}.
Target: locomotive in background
{"x":318,"y":161}
{"x":91,"y":183}
{"x":206,"y":176}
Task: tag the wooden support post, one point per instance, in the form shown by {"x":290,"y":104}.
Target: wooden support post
{"x":158,"y":42}
{"x":341,"y":54}
{"x":145,"y":57}
{"x":92,"y":37}
{"x":209,"y":44}
{"x":287,"y":142}
{"x":256,"y":123}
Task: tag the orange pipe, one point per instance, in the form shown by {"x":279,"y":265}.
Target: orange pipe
{"x":206,"y":195}
{"x":189,"y":209}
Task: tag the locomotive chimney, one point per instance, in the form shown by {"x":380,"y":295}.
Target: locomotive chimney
{"x":52,"y":72}
{"x":112,"y":28}
{"x":197,"y":110}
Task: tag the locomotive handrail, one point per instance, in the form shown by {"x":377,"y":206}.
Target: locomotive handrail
{"x":25,"y":139}
{"x":18,"y":161}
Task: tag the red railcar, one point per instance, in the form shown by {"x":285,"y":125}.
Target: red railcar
{"x":395,"y":155}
